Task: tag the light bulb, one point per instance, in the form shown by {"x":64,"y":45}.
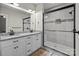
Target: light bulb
{"x":30,"y":10}
{"x":15,"y":4}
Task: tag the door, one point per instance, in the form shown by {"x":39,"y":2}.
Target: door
{"x":58,"y":30}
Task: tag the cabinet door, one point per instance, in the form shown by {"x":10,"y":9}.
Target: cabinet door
{"x":19,"y":47}
{"x":14,"y":50}
{"x":19,"y":50}
{"x":14,"y":47}
{"x":36,"y":41}
{"x":7,"y":51}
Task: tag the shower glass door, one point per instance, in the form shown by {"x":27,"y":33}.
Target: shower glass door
{"x":58,"y":30}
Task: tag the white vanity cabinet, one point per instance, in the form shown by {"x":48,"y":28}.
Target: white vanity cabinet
{"x":20,"y":46}
{"x":37,"y":42}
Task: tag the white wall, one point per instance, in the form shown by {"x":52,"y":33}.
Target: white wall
{"x":39,"y":17}
{"x":33,"y":21}
{"x":14,"y":18}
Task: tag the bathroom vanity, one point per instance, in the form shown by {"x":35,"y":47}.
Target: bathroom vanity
{"x":22,"y":44}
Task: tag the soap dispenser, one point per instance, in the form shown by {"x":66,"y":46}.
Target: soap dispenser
{"x":11,"y":32}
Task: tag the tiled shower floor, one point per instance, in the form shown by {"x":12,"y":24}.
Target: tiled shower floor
{"x":54,"y":52}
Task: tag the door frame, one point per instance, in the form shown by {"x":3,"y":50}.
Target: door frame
{"x":74,"y":30}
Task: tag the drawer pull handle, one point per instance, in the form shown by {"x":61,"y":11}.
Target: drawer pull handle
{"x":16,"y":47}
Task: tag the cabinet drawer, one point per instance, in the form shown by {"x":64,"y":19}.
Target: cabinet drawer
{"x":19,"y":51}
{"x":28,"y":41}
{"x":28,"y":52}
{"x":11,"y":42}
{"x":28,"y":46}
{"x":27,"y":38}
{"x":38,"y":36}
{"x":6,"y":43}
{"x":38,"y":39}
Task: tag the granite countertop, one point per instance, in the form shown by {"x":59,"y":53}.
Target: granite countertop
{"x":7,"y":36}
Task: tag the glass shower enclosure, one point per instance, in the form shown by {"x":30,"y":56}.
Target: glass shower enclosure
{"x":59,"y":29}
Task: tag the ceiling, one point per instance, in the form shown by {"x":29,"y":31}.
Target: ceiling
{"x":27,"y":6}
{"x":31,"y":5}
{"x":45,"y":5}
{"x":51,"y":5}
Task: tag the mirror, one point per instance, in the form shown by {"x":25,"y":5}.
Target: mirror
{"x":14,"y":19}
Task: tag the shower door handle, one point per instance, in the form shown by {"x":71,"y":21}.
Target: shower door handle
{"x":77,"y":32}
